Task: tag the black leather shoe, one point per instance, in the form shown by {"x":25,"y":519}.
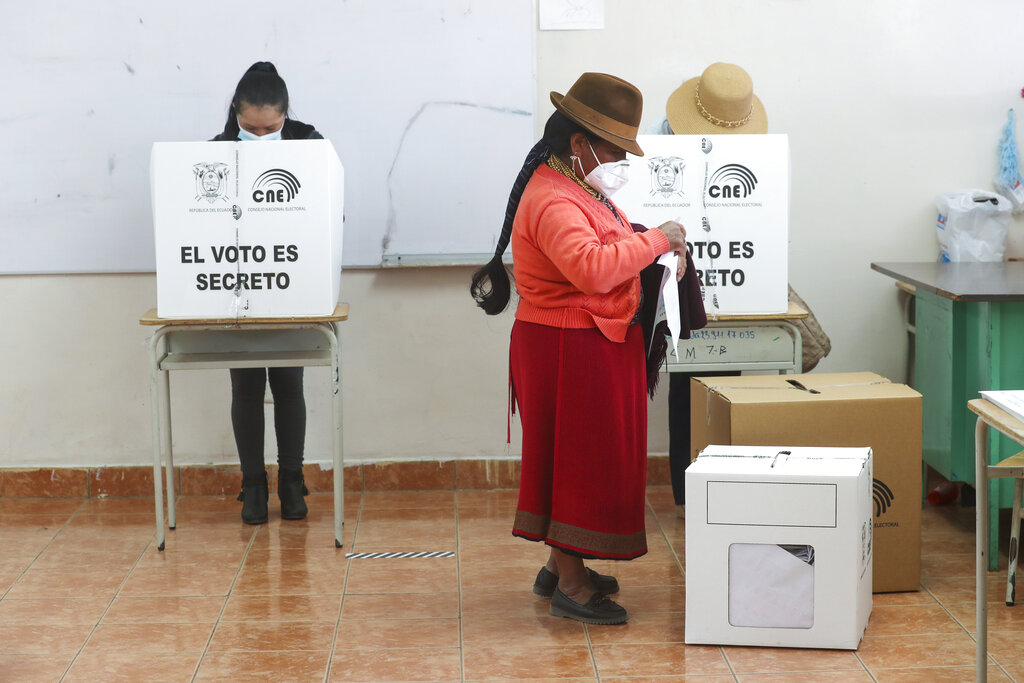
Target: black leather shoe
{"x":546,"y":583}
{"x":254,"y":496}
{"x":291,"y":487}
{"x":599,"y":609}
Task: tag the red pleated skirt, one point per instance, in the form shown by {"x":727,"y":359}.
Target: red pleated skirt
{"x":582,"y":402}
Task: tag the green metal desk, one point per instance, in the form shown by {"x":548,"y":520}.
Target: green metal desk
{"x":243,"y":343}
{"x":969,"y":338}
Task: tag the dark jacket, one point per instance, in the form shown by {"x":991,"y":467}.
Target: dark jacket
{"x":292,"y":130}
{"x":691,"y":313}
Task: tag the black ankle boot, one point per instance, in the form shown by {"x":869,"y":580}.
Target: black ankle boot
{"x":254,"y":496}
{"x":291,"y":487}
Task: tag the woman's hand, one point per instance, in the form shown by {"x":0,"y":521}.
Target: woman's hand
{"x":676,"y":234}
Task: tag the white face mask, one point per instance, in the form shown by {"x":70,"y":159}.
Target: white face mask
{"x":609,"y":177}
{"x":243,"y":134}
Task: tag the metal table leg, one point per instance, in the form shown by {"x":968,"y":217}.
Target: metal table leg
{"x":165,"y":428}
{"x":981,"y":540}
{"x":798,"y":345}
{"x":154,"y":401}
{"x":1011,"y":574}
{"x":339,"y":460}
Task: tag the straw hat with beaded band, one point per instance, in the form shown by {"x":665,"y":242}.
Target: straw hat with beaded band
{"x":607,"y":106}
{"x":721,"y":100}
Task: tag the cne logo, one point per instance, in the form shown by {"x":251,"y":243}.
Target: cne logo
{"x":883,"y":496}
{"x":732,"y":181}
{"x":275,"y":186}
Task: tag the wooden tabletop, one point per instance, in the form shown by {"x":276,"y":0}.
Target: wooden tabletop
{"x":150,"y":318}
{"x":794,"y":312}
{"x":961,"y":281}
{"x":998,"y":418}
{"x":906,"y":287}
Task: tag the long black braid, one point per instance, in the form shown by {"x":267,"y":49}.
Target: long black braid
{"x":492,"y":286}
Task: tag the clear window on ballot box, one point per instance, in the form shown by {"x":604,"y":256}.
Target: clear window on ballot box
{"x":771,"y":586}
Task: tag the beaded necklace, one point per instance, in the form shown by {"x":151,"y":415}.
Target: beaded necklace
{"x":559,"y":166}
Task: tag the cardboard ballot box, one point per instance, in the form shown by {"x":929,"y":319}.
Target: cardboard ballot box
{"x":247,"y":229}
{"x":731,"y":193}
{"x":841,"y":409}
{"x":778,"y":546}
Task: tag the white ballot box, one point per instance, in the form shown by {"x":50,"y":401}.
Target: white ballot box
{"x":778,"y":546}
{"x":731,"y":193}
{"x":247,"y":229}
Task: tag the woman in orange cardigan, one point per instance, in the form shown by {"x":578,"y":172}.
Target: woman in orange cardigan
{"x":577,"y":358}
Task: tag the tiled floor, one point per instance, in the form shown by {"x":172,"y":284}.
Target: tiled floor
{"x":87,"y":597}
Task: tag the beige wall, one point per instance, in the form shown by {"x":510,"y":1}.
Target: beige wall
{"x":424,"y":375}
{"x":886,"y":104}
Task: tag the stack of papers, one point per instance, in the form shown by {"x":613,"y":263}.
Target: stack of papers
{"x":1010,"y":401}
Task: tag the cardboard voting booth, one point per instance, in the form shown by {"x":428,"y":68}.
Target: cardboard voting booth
{"x":247,"y":229}
{"x":832,"y":409}
{"x":778,"y":546}
{"x":731,"y":193}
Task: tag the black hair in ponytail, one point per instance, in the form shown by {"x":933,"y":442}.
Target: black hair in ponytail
{"x":491,"y":286}
{"x":260,"y":86}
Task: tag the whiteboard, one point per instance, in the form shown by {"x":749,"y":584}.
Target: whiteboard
{"x":430,"y":104}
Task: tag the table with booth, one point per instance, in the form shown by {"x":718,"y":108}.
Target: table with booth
{"x":249,"y":253}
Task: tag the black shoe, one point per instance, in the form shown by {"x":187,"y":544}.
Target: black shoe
{"x":254,"y":497}
{"x":599,"y":609}
{"x":291,"y":487}
{"x":546,"y":583}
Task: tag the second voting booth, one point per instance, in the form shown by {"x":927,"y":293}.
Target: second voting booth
{"x":731,"y":193}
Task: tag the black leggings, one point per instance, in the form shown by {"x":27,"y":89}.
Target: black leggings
{"x":247,"y":389}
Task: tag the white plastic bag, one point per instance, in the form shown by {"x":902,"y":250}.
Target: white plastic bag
{"x":972,"y":225}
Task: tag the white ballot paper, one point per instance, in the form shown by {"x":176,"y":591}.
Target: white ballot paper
{"x":670,"y":297}
{"x":770,"y":587}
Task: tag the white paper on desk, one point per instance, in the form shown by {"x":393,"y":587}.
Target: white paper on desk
{"x":1010,"y":401}
{"x":670,"y":298}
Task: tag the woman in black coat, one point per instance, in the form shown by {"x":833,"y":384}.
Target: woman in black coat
{"x":259,"y":111}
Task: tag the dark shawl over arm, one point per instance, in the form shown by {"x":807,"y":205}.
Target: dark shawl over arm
{"x":691,"y":311}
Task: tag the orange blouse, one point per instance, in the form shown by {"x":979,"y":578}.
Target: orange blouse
{"x":575,"y":266}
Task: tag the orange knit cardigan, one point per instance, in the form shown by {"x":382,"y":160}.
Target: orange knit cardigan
{"x":575,"y":266}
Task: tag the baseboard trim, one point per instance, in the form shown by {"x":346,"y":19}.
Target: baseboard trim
{"x":206,"y":480}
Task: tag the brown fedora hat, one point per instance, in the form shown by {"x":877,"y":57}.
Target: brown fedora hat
{"x":607,"y":106}
{"x":721,"y":100}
